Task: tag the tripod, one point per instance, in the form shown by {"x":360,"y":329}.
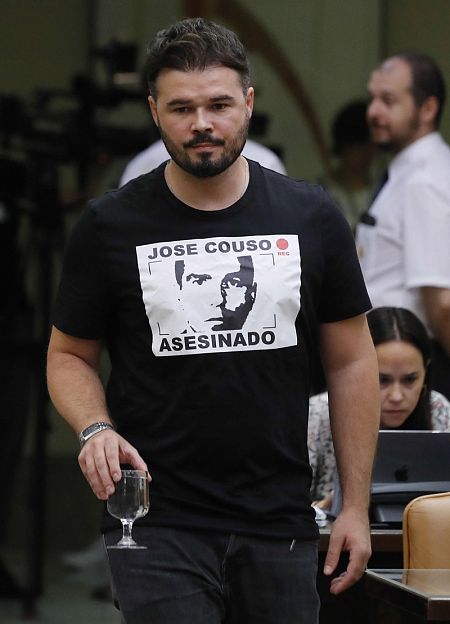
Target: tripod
{"x":23,"y":391}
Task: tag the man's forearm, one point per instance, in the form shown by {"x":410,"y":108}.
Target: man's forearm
{"x":355,"y":415}
{"x":76,"y":390}
{"x":354,"y":400}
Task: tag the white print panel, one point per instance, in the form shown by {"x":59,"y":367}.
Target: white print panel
{"x":221,"y":294}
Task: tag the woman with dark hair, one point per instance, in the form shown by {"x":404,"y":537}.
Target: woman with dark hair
{"x":403,"y":351}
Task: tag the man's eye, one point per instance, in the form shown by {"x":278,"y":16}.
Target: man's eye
{"x":198,"y":279}
{"x":384,"y":381}
{"x":219,"y":106}
{"x":181,"y":109}
{"x":232,"y":281}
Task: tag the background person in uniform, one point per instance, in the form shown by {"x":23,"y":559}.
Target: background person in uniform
{"x":230,"y":515}
{"x":404,"y":241}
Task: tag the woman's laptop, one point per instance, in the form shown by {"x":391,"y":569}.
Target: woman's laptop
{"x":407,"y":464}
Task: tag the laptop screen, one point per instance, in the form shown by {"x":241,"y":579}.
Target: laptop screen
{"x":408,"y":464}
{"x":411,"y":457}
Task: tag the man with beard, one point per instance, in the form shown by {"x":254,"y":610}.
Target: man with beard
{"x":231,"y":533}
{"x":403,"y":242}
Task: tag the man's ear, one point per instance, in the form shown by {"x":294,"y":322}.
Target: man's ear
{"x":429,"y":110}
{"x":152,"y":104}
{"x":249,"y":100}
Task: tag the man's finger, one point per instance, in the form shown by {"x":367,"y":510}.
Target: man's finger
{"x":129,"y":455}
{"x":355,"y":569}
{"x":333,"y":554}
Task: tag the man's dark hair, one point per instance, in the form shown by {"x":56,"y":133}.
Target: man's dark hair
{"x":195,"y":44}
{"x":427,"y":80}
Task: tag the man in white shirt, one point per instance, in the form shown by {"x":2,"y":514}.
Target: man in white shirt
{"x":156,"y":153}
{"x":404,"y":240}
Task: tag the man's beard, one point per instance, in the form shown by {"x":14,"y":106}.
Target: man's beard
{"x":396,"y":143}
{"x":204,"y":165}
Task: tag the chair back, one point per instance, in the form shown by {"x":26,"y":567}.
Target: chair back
{"x":426,"y":532}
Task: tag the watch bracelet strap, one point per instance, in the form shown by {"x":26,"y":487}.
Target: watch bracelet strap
{"x":91,"y":430}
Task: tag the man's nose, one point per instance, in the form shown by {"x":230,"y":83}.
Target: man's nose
{"x":373,"y":109}
{"x":202,"y":121}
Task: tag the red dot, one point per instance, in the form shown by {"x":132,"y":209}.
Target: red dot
{"x":282,"y":243}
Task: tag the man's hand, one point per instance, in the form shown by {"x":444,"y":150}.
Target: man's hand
{"x":100,"y":460}
{"x":350,"y":533}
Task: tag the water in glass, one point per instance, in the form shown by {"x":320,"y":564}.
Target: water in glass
{"x":129,"y":502}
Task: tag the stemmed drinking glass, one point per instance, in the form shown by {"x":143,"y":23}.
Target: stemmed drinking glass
{"x":129,"y":502}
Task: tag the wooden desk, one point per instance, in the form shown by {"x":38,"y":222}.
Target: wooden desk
{"x":425,"y":593}
{"x":353,"y":607}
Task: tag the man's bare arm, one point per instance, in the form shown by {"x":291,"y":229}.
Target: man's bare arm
{"x":351,"y":370}
{"x":78,"y":394}
{"x":437,"y":308}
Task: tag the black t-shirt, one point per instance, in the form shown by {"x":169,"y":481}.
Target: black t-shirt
{"x":211,"y":321}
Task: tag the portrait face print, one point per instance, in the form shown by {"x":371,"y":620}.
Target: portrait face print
{"x":213,"y":298}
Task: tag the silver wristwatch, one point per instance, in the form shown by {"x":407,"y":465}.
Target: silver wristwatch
{"x":92,"y":430}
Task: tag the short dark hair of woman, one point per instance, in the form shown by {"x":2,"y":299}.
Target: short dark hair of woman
{"x":388,"y":324}
{"x":350,"y":127}
{"x":195,"y":44}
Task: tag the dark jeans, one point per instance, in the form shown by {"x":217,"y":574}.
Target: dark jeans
{"x":206,"y":577}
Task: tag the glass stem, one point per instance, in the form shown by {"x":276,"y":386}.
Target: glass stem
{"x":127,"y":528}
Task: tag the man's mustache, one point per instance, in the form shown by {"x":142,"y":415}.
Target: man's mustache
{"x":203,"y":138}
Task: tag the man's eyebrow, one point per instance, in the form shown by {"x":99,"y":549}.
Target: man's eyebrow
{"x":186,"y":101}
{"x":178,"y":102}
{"x":222,"y":98}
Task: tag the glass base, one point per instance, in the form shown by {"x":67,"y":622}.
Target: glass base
{"x":126,"y":542}
{"x":126,"y":546}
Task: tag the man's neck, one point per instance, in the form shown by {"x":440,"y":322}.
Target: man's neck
{"x":214,"y":193}
{"x":419,"y":135}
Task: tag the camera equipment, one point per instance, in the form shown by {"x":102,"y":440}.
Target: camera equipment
{"x":38,"y":136}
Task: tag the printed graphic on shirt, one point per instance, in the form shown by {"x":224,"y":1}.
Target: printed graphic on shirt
{"x":221,"y":294}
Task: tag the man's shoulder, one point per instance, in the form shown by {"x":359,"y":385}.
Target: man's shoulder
{"x":133,"y":193}
{"x":312,"y":197}
{"x":295,"y":185}
{"x":431,"y":161}
{"x":437,"y":150}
